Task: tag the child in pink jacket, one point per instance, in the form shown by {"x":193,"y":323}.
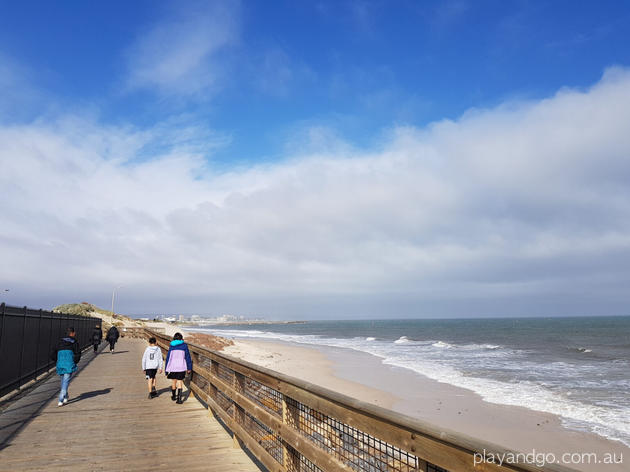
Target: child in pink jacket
{"x":178,"y":364}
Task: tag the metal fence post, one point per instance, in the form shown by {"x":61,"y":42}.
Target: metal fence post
{"x":19,"y":383}
{"x":39,"y":329}
{"x":50,"y":335}
{"x":2,"y":310}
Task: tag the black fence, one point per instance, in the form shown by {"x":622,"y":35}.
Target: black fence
{"x":28,"y":337}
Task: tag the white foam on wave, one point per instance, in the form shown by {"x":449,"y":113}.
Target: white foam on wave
{"x":427,"y":358}
{"x":612,"y":423}
{"x":583,"y":350}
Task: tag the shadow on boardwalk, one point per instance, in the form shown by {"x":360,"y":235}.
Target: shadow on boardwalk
{"x":110,"y":424}
{"x":93,"y":393}
{"x":23,"y":409}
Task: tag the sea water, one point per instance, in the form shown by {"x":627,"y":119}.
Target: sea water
{"x":577,"y":368}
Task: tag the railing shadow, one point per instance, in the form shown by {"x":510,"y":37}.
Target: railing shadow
{"x":225,"y":427}
{"x":16,"y":418}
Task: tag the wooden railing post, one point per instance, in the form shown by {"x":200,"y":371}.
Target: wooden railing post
{"x":239,"y":382}
{"x":195,"y":359}
{"x":239,"y":386}
{"x":214,"y":369}
{"x":213,"y":394}
{"x":290,"y":418}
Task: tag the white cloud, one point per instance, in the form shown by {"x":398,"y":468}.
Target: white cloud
{"x":508,"y":210}
{"x":179,"y":55}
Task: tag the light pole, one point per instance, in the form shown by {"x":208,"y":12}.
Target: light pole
{"x":113,"y":294}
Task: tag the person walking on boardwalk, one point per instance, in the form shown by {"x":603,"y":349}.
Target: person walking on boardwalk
{"x":112,"y":337}
{"x":178,"y":364}
{"x":97,"y":337}
{"x":67,"y":355}
{"x":151,"y":362}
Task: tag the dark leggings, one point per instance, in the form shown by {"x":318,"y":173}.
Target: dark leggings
{"x":96,"y":346}
{"x":111,"y":345}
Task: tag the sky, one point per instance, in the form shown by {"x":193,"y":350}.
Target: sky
{"x":317,"y":159}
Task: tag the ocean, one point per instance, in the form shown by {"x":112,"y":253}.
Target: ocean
{"x":577,"y":368}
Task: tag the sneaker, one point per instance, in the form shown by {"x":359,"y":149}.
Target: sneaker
{"x":60,"y":404}
{"x":65,"y":400}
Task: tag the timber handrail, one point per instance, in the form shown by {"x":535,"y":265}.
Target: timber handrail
{"x":293,"y":425}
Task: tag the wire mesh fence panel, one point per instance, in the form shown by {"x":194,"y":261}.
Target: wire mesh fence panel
{"x":204,"y":361}
{"x":300,"y":463}
{"x":224,"y":402}
{"x":308,"y":466}
{"x":201,"y":382}
{"x":224,"y":373}
{"x":267,"y":397}
{"x":263,"y":435}
{"x":359,"y":450}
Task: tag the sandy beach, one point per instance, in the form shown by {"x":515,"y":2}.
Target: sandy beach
{"x":366,"y":378}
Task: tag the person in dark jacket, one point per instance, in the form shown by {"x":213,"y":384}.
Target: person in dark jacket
{"x":67,"y":355}
{"x":112,"y":337}
{"x":97,"y":337}
{"x":178,"y":364}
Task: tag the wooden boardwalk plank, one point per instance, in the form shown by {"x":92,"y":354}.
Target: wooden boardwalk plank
{"x":110,"y":424}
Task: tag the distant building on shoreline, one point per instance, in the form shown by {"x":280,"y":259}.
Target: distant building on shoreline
{"x":204,"y":319}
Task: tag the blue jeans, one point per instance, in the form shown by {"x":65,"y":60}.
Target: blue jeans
{"x":65,"y":380}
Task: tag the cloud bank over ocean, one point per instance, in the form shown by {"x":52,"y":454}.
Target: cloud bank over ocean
{"x":519,"y":209}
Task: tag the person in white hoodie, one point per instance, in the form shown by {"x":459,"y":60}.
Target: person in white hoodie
{"x":151,"y":362}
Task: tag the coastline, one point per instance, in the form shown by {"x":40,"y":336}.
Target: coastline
{"x":365,"y":377}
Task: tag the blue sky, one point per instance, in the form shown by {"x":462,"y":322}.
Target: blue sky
{"x":358,"y":67}
{"x":317,"y":159}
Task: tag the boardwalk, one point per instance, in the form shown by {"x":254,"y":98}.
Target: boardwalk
{"x":110,"y":425}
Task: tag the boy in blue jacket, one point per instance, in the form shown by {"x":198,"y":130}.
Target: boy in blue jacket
{"x":67,"y":354}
